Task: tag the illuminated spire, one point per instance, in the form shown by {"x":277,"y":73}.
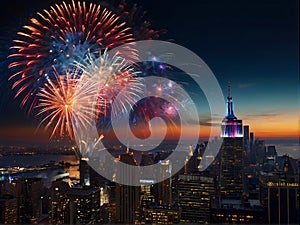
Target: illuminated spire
{"x":228,"y":90}
{"x":230,"y":114}
{"x":231,"y":126}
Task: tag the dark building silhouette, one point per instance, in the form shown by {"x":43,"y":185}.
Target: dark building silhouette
{"x":127,"y":197}
{"x":270,"y":159}
{"x":8,"y":209}
{"x":88,"y":175}
{"x":246,"y":138}
{"x":28,"y":192}
{"x":251,"y":141}
{"x":21,"y":200}
{"x":164,"y":188}
{"x":259,"y":150}
{"x":84,"y":172}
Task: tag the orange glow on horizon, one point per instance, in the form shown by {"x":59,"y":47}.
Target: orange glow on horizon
{"x":283,"y":126}
{"x":24,"y":133}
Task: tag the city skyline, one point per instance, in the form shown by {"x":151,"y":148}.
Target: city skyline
{"x":202,"y":128}
{"x":252,"y":45}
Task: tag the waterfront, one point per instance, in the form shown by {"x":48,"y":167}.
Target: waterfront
{"x":286,"y":147}
{"x":45,"y":166}
{"x":34,"y":160}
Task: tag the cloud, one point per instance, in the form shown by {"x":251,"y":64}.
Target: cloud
{"x":262,"y":115}
{"x":246,"y":85}
{"x":214,"y":120}
{"x":218,"y":116}
{"x":210,"y":124}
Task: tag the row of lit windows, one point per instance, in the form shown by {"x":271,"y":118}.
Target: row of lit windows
{"x":235,"y":216}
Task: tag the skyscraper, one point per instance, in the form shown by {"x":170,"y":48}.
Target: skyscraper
{"x":231,"y":171}
{"x":165,"y":186}
{"x":280,"y":196}
{"x":246,"y":137}
{"x":231,"y":126}
{"x":74,"y":205}
{"x":195,"y":192}
{"x":8,"y":209}
{"x":127,"y":197}
{"x":84,"y":169}
{"x":251,"y":141}
{"x":28,"y":192}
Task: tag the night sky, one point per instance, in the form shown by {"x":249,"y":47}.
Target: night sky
{"x":252,"y":43}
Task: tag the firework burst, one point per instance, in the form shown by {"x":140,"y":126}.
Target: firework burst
{"x":58,"y":37}
{"x":68,"y":101}
{"x":157,"y":105}
{"x":112,"y":76}
{"x":56,"y":104}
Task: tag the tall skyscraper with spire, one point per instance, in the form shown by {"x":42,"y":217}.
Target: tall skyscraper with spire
{"x":231,"y":126}
{"x":231,"y":160}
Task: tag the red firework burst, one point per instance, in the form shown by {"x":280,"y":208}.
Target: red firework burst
{"x":57,"y":37}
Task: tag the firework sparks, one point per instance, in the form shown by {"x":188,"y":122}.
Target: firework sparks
{"x":156,"y":105}
{"x":69,"y":101}
{"x":59,"y":36}
{"x":112,"y":75}
{"x":56,"y":103}
{"x":135,"y":16}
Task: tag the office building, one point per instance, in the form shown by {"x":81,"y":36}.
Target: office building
{"x":246,"y":136}
{"x":280,"y":197}
{"x":8,"y":209}
{"x":127,"y":197}
{"x":195,"y":192}
{"x":74,"y":205}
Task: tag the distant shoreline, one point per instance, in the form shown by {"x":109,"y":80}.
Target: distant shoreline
{"x":284,"y":146}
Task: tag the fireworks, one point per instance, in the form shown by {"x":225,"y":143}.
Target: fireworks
{"x":60,"y":51}
{"x":134,"y":16}
{"x":56,"y":103}
{"x":157,"y":105}
{"x":69,"y":101}
{"x":149,"y":108}
{"x":58,"y":37}
{"x":112,"y":75}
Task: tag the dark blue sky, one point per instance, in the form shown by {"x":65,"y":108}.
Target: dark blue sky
{"x":252,"y":43}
